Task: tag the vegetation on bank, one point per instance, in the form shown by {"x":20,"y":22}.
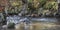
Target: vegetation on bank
{"x":44,"y":7}
{"x":33,"y":7}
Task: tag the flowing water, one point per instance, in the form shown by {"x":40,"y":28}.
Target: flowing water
{"x":33,"y":23}
{"x":16,"y":19}
{"x":36,"y":23}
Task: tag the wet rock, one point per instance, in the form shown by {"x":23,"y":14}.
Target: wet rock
{"x":4,"y":26}
{"x":11,"y":25}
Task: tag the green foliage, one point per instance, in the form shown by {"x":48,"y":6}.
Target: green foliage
{"x":42,"y":2}
{"x":37,"y":3}
{"x":34,"y":5}
{"x":29,"y":1}
{"x":48,"y":5}
{"x":51,"y":5}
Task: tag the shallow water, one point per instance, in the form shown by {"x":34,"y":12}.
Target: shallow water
{"x":35,"y":23}
{"x":17,"y":19}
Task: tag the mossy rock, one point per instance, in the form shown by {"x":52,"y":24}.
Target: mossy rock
{"x":11,"y":25}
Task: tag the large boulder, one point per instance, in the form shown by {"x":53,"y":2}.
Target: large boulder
{"x":11,"y":25}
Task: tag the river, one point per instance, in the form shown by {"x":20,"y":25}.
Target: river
{"x":42,"y":21}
